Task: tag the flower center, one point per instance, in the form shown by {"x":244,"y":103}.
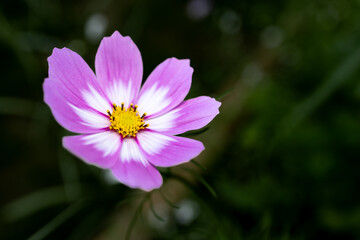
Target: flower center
{"x":126,"y":121}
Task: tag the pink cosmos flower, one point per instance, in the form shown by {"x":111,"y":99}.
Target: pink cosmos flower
{"x":124,"y":128}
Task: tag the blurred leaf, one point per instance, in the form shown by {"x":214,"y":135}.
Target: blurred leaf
{"x":253,"y":195}
{"x":202,"y":180}
{"x":167,"y":200}
{"x":197,"y":164}
{"x":184,"y":181}
{"x":16,"y":106}
{"x":10,"y":36}
{"x":92,"y":222}
{"x":163,"y":170}
{"x":34,"y":202}
{"x":340,"y":75}
{"x":195,"y":132}
{"x":224,"y":95}
{"x":57,"y":221}
{"x":138,"y":212}
{"x":339,"y":219}
{"x":154,"y":212}
{"x":69,"y":174}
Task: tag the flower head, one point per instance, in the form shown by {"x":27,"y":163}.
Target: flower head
{"x":122,"y":127}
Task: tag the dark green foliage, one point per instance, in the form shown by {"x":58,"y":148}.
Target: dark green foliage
{"x":282,"y":158}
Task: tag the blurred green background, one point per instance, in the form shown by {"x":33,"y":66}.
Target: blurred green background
{"x":282,"y":156}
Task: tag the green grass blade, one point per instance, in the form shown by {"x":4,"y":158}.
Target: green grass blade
{"x":57,"y":221}
{"x":198,"y":164}
{"x":135,"y":217}
{"x":335,"y":80}
{"x":203,"y":181}
{"x":195,"y":132}
{"x":225,"y":94}
{"x":154,"y":212}
{"x":167,"y":200}
{"x":34,"y":202}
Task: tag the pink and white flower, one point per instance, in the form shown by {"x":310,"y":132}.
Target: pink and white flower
{"x":124,"y":128}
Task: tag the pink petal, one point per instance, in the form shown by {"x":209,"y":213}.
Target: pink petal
{"x":166,"y":151}
{"x":133,"y":169}
{"x":73,"y":94}
{"x":119,"y":68}
{"x":166,"y":87}
{"x":137,"y":175}
{"x":190,"y":115}
{"x":130,"y":151}
{"x":99,"y":149}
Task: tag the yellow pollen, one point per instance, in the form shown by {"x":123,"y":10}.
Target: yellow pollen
{"x":126,"y":121}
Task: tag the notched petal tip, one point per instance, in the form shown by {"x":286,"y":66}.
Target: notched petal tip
{"x":56,"y":51}
{"x":186,"y":64}
{"x":212,"y":104}
{"x":58,"y":54}
{"x":184,"y":61}
{"x":116,"y":33}
{"x":53,"y":54}
{"x":117,"y":36}
{"x":182,"y":64}
{"x":217,"y":104}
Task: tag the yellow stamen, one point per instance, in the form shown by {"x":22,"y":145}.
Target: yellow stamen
{"x":126,"y":121}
